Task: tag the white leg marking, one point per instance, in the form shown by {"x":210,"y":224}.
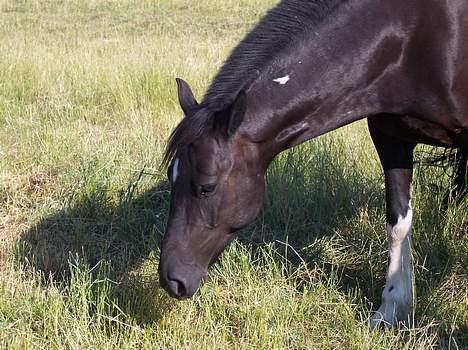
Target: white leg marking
{"x":283,"y":80}
{"x":175,"y":170}
{"x":397,"y":296}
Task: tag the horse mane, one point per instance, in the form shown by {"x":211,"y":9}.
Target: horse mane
{"x":282,"y":26}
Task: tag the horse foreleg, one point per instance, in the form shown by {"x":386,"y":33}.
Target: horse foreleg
{"x":397,"y":161}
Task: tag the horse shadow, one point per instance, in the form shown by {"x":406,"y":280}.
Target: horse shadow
{"x":334,"y":217}
{"x":319,"y":212}
{"x":102,"y":237}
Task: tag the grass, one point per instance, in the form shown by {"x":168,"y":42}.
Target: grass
{"x":87,"y":101}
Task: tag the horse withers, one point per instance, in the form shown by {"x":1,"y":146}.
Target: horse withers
{"x":307,"y":68}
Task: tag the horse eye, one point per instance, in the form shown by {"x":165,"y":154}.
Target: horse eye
{"x":206,"y":190}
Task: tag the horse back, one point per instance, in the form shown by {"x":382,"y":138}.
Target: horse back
{"x":437,"y":61}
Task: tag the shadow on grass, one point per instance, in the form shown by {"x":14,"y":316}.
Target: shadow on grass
{"x":331,"y":215}
{"x":324,"y":211}
{"x":93,"y":229}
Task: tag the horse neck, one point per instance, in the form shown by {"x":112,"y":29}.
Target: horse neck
{"x":343,"y":72}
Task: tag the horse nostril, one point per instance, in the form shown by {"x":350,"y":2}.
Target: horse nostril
{"x":179,"y":280}
{"x":178,"y":288}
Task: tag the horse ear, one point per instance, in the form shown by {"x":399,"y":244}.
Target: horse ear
{"x":186,"y":99}
{"x":237,"y":113}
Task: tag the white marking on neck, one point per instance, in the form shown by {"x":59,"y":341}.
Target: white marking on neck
{"x":283,"y":80}
{"x":175,"y":170}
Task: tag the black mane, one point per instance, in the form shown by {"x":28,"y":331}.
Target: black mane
{"x":276,"y":32}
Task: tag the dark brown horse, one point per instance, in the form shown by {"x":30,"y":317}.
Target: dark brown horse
{"x":310,"y":67}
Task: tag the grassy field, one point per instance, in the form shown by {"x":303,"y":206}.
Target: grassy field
{"x":87,"y":101}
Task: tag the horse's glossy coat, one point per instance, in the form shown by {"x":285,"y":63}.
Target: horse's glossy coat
{"x":308,"y":68}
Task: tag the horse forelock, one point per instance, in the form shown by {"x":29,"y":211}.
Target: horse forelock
{"x":189,"y":130}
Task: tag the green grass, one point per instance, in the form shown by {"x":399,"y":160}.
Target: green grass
{"x":87,"y":101}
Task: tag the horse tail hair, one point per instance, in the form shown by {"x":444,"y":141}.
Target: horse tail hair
{"x":455,"y":164}
{"x":461,"y":174}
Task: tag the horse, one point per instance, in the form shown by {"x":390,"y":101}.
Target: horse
{"x":309,"y":67}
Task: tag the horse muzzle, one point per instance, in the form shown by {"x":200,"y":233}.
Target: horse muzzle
{"x":179,"y":279}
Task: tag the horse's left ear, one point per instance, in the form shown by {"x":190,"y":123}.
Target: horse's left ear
{"x":236,"y":113}
{"x":186,"y":99}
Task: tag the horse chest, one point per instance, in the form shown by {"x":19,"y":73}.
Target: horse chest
{"x":415,"y":130}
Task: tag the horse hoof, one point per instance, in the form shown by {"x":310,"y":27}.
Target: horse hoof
{"x":391,"y":315}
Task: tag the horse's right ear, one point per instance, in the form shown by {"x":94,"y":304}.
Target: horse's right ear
{"x":186,"y":99}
